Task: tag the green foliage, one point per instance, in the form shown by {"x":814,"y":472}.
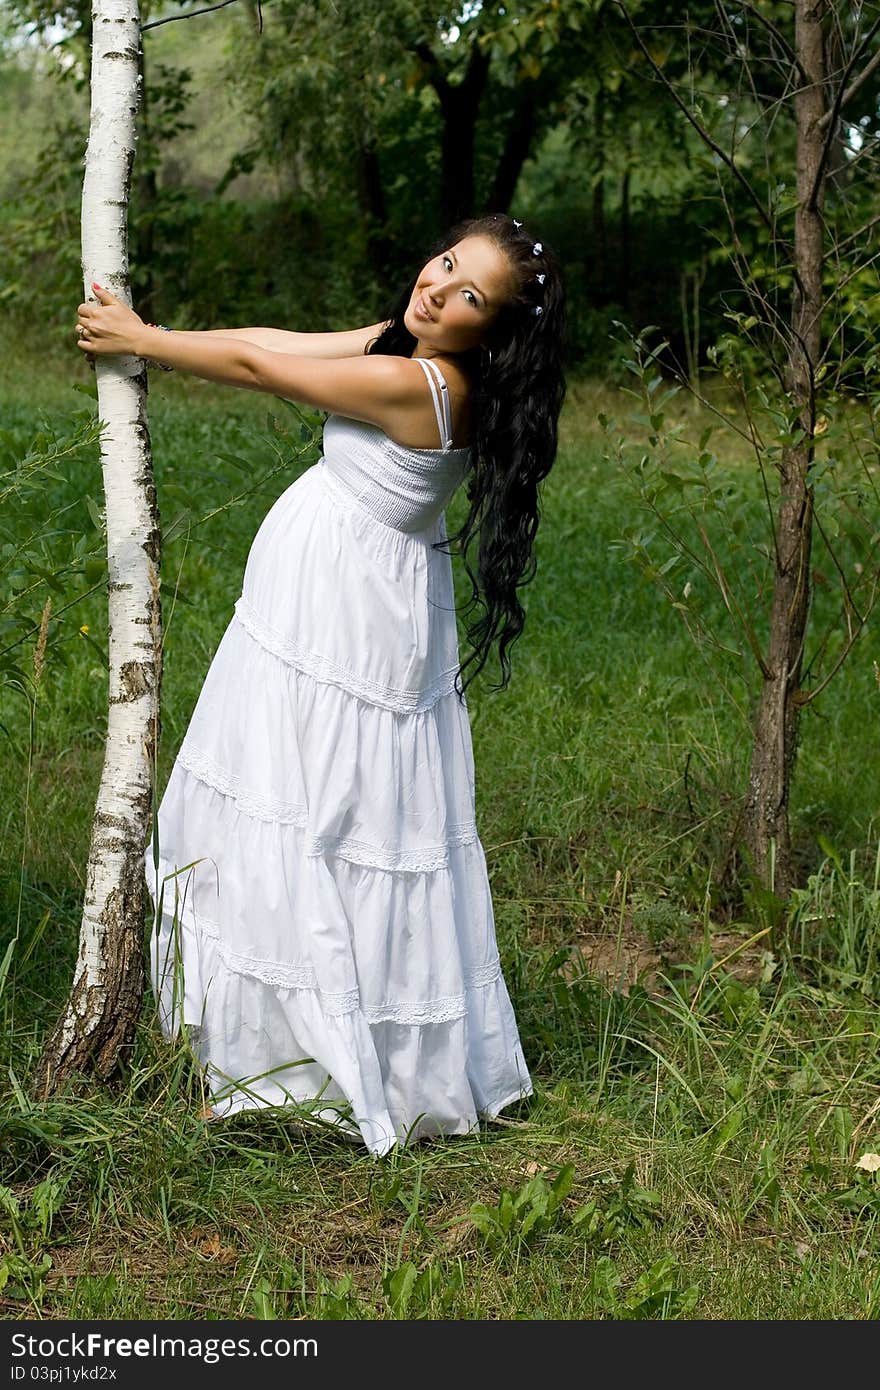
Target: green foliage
{"x":537,"y":1209}
{"x":51,"y":542}
{"x":429,"y":1293}
{"x":624,"y":1204}
{"x":40,"y":236}
{"x":28,"y":1220}
{"x":523,"y":1215}
{"x":658,"y":1292}
{"x":833,"y":922}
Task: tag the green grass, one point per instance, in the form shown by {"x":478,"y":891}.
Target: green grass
{"x":703,"y":1093}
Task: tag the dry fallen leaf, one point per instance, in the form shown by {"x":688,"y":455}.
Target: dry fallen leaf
{"x":210,"y":1247}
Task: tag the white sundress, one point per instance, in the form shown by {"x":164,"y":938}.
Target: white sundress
{"x":326,"y":925}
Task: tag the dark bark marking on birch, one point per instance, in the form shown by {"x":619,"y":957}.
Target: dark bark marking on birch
{"x":153,"y":544}
{"x":134,"y":681}
{"x":112,"y":845}
{"x":104,"y":1014}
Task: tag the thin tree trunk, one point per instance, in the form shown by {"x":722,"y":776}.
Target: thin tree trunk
{"x":623,"y":292}
{"x":99,"y":1019}
{"x":600,"y":232}
{"x":776,"y":722}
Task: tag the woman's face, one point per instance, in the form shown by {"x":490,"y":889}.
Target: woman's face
{"x":458,"y":294}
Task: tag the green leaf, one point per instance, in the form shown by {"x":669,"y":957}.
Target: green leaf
{"x":94,"y":512}
{"x":831,"y":852}
{"x":94,"y":569}
{"x":243,"y":465}
{"x":6,"y":962}
{"x":261,"y":1299}
{"x":99,"y":651}
{"x":398,"y":1286}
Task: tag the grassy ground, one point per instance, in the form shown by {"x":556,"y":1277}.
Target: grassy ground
{"x":703,"y":1093}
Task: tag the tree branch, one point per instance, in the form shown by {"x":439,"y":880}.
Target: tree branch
{"x":193,"y":14}
{"x":867,"y":71}
{"x":777,"y":34}
{"x":854,"y":236}
{"x":808,"y":696}
{"x":701,"y":130}
{"x":425,"y":52}
{"x":828,"y":122}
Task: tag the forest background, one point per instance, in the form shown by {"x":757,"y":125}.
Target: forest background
{"x":703,"y":1136}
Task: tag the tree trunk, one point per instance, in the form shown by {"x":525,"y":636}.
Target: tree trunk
{"x":459,"y":106}
{"x":371,"y":196}
{"x":517,"y":146}
{"x":601,"y":293}
{"x":623,"y":288}
{"x":105,"y":999}
{"x":776,"y":723}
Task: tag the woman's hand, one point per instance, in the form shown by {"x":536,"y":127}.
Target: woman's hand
{"x":108,"y":327}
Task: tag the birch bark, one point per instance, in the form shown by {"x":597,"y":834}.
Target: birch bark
{"x":99,"y":1019}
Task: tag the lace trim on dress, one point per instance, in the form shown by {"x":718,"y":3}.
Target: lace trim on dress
{"x":206,"y":769}
{"x":425,"y":859}
{"x":335,"y":1004}
{"x":431,"y":1011}
{"x":408,"y":861}
{"x":321,"y":668}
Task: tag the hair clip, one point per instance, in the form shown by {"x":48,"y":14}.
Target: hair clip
{"x":537,"y":310}
{"x":516,"y":224}
{"x":541,"y":278}
{"x":537,"y":248}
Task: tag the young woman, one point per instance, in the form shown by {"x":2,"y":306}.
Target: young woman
{"x":323,"y":916}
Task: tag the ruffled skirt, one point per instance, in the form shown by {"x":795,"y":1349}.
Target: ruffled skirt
{"x":323,"y":922}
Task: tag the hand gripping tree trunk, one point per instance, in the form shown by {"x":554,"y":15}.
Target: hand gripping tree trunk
{"x":105,"y":1000}
{"x":776,"y":721}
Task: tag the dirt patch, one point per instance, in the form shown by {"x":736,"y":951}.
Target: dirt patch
{"x":628,"y":958}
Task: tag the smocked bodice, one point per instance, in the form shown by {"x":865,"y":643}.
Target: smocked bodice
{"x":401,"y":487}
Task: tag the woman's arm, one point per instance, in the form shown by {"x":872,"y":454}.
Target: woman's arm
{"x":384,"y":391}
{"x":352,"y":342}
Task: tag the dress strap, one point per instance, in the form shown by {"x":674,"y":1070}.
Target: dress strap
{"x":440,"y":397}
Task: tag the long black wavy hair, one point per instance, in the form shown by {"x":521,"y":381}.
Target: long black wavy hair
{"x":517,"y":390}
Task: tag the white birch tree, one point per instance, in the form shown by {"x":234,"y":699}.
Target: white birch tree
{"x":99,"y":1019}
